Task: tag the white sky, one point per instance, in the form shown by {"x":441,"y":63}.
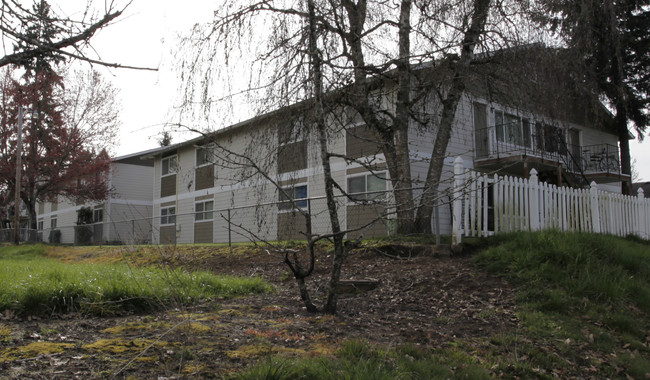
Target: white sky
{"x":145,"y":36}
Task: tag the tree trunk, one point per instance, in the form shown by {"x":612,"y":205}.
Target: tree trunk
{"x":450,"y":104}
{"x":339,"y":249}
{"x":401,"y":168}
{"x":624,"y":142}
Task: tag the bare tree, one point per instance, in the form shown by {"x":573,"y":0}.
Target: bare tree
{"x":19,"y":24}
{"x":332,"y":61}
{"x":91,"y":105}
{"x":380,"y":59}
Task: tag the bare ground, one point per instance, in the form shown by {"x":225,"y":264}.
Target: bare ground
{"x":422,"y":299}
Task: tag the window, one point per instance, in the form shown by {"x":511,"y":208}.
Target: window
{"x":40,"y":225}
{"x":98,"y":215}
{"x":367,"y":187}
{"x":296,"y":193}
{"x":551,"y":139}
{"x":204,"y":155}
{"x":169,"y":165}
{"x":168,"y":215}
{"x":512,"y":129}
{"x":203,"y":211}
{"x":53,"y":223}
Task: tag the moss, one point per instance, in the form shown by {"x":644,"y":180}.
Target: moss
{"x":32,"y":350}
{"x":5,"y":334}
{"x":122,"y":345}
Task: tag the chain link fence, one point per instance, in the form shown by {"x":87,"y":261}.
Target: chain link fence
{"x":366,"y":215}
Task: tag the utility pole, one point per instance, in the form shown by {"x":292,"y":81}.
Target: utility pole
{"x":19,"y":164}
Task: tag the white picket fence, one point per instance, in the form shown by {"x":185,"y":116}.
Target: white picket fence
{"x":484,"y":205}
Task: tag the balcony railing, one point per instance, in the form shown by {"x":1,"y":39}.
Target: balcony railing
{"x":494,"y":144}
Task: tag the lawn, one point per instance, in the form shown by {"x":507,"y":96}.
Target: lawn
{"x":525,"y":305}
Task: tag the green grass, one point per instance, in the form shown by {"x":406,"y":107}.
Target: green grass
{"x":580,"y":290}
{"x":360,"y":360}
{"x":570,"y":272}
{"x":36,"y":285}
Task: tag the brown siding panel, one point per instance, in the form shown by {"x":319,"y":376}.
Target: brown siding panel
{"x":168,"y":235}
{"x":361,"y":215}
{"x":168,"y":185}
{"x":361,"y":142}
{"x":290,"y":226}
{"x":292,"y":157}
{"x":204,"y":177}
{"x":203,"y":232}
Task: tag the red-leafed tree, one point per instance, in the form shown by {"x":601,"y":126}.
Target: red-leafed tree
{"x":57,"y":159}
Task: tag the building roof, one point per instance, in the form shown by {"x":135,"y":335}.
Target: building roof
{"x":531,"y":77}
{"x":143,"y":158}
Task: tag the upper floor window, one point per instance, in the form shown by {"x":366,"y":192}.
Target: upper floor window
{"x":169,"y":165}
{"x":297,"y":194}
{"x":203,"y":211}
{"x":550,"y":138}
{"x":53,"y":223}
{"x":40,"y":225}
{"x":168,"y":215}
{"x":204,"y":155}
{"x":512,"y":129}
{"x":367,"y":186}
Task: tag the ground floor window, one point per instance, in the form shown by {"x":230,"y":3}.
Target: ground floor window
{"x":297,"y":194}
{"x":203,"y":211}
{"x":168,"y":215}
{"x":367,"y":186}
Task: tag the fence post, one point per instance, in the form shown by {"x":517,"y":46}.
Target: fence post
{"x":595,"y":211}
{"x":533,"y":200}
{"x":229,"y":233}
{"x":643,"y":228}
{"x":459,"y":171}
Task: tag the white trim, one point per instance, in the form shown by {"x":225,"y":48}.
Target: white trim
{"x":161,"y":224}
{"x":365,"y":175}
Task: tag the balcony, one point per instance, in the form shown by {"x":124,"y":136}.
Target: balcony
{"x":545,"y":148}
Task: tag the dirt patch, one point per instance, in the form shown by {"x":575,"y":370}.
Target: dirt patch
{"x":420,"y":299}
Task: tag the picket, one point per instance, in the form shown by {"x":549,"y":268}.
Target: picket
{"x":519,"y":204}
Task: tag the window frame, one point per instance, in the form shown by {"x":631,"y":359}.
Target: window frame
{"x":53,"y":222}
{"x":366,"y":195}
{"x":209,"y":147}
{"x":522,"y":137}
{"x":98,"y":211}
{"x":301,"y":203}
{"x":202,"y":215}
{"x":171,"y":170}
{"x":169,"y":218}
{"x":40,"y":224}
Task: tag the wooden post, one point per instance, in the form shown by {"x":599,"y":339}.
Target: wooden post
{"x":643,"y":214}
{"x":19,"y":164}
{"x":526,"y":171}
{"x":533,"y":199}
{"x":559,"y":175}
{"x":595,"y":211}
{"x":459,"y":182}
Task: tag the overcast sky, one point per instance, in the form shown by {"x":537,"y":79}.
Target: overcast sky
{"x":145,"y":36}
